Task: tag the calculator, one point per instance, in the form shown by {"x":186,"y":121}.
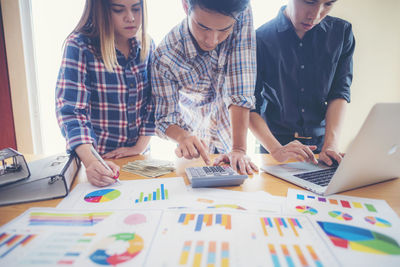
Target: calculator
{"x":210,"y":176}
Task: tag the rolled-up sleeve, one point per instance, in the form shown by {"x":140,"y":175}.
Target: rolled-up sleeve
{"x":241,"y":76}
{"x":72,"y":98}
{"x":344,"y":72}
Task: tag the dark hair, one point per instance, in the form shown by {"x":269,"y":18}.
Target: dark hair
{"x":225,"y":7}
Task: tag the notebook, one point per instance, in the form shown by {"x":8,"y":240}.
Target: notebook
{"x":372,"y":157}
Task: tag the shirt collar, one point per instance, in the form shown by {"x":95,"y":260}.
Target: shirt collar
{"x":284,"y":23}
{"x":191,"y":50}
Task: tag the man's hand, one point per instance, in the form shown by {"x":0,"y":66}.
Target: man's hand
{"x":121,"y":152}
{"x":295,"y":150}
{"x":329,"y":153}
{"x":238,"y":161}
{"x":191,"y":147}
{"x":98,"y":175}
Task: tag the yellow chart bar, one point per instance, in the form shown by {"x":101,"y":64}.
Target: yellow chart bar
{"x":278,"y":226}
{"x":263,"y":226}
{"x":299,"y":253}
{"x":224,"y":219}
{"x":198,"y":254}
{"x":225,"y":254}
{"x":185,"y":253}
{"x":293,"y":228}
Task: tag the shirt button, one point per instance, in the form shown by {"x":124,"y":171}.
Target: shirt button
{"x":301,"y":44}
{"x":131,"y":85}
{"x":302,"y":67}
{"x":302,"y":90}
{"x":302,"y":110}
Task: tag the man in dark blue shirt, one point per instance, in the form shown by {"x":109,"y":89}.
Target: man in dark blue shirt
{"x":304,"y":73}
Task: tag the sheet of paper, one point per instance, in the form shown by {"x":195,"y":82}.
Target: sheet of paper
{"x":232,"y":238}
{"x":56,"y":237}
{"x":149,"y":193}
{"x":360,"y":231}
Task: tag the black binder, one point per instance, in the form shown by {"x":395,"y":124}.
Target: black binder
{"x":50,"y":178}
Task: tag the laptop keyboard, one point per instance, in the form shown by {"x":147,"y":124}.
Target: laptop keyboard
{"x":321,"y":177}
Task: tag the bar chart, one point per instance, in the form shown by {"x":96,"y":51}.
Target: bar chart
{"x":344,"y":203}
{"x":10,"y":242}
{"x":281,"y":226}
{"x":66,"y":219}
{"x":293,"y":255}
{"x":210,"y":254}
{"x":208,"y":220}
{"x":59,"y":249}
{"x":160,"y":193}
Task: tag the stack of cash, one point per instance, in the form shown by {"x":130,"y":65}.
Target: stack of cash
{"x":149,"y":167}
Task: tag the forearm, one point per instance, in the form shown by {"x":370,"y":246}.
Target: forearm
{"x":142,"y":143}
{"x":239,"y":123}
{"x":262,"y":132}
{"x":176,"y":133}
{"x":334,"y":122}
{"x":85,"y":154}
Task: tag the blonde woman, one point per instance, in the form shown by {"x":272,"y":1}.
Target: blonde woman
{"x":103,"y":94}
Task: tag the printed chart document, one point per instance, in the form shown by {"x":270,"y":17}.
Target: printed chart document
{"x":54,"y":237}
{"x":127,"y":194}
{"x":360,"y":231}
{"x":229,"y":238}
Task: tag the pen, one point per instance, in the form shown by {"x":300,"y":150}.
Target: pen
{"x":94,"y":152}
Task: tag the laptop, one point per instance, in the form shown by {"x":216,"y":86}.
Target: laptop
{"x":372,"y":157}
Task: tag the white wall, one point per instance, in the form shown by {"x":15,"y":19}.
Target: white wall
{"x":376,"y":26}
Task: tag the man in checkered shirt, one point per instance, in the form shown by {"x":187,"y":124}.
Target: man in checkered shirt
{"x":203,"y":80}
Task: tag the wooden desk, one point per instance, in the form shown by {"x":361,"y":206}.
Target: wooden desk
{"x":389,"y":191}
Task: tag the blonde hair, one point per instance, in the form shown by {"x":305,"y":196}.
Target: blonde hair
{"x":96,"y":23}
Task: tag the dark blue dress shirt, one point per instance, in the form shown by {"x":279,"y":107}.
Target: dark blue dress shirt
{"x":296,"y":78}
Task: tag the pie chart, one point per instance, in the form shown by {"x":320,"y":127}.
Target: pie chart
{"x":102,"y":195}
{"x":340,"y":215}
{"x":360,"y":239}
{"x":306,"y":210}
{"x":377,"y":221}
{"x":117,"y":248}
